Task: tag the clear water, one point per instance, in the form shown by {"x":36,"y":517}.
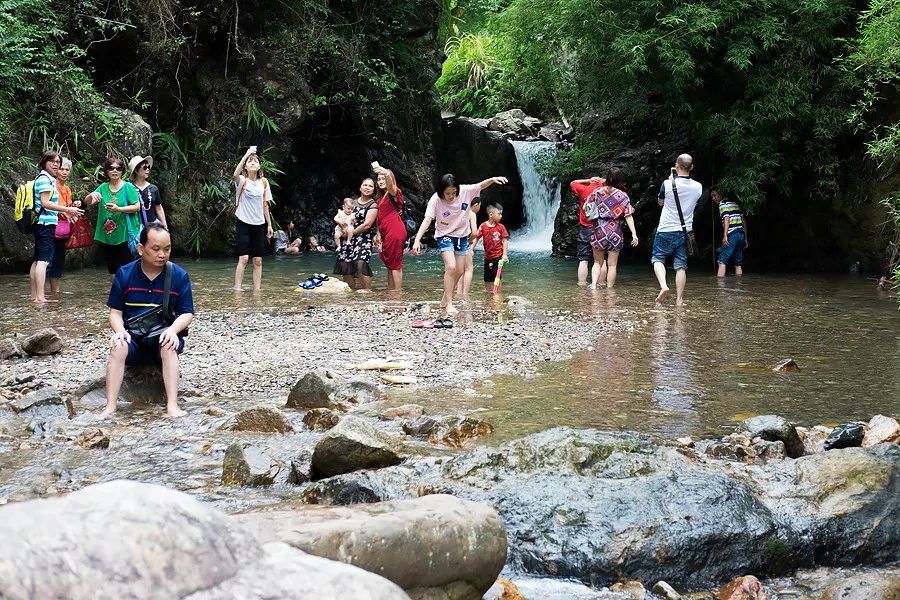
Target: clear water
{"x":540,"y":199}
{"x":692,"y":371}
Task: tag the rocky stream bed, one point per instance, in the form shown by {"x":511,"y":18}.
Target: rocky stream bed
{"x":292,"y":458}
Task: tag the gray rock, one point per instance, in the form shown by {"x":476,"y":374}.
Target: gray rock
{"x":868,"y":586}
{"x":847,"y":435}
{"x":404,"y":410}
{"x":450,"y":431}
{"x":766,"y":451}
{"x":666,"y":591}
{"x":324,"y":388}
{"x":9,"y":349}
{"x":263,"y":419}
{"x":321,"y":419}
{"x":881,"y":429}
{"x":248,"y":466}
{"x":300,"y":468}
{"x":141,"y":385}
{"x":513,"y":122}
{"x":352,"y":445}
{"x":432,"y":543}
{"x":774,"y":428}
{"x":93,"y":439}
{"x":43,"y":342}
{"x":132,"y":540}
{"x":44,"y":404}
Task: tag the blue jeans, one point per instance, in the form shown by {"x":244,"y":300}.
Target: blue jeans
{"x":458,"y":245}
{"x":733,"y":253}
{"x":670,"y":243}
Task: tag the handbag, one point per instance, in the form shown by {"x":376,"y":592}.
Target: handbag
{"x":590,"y":208}
{"x":147,"y":327}
{"x":690,"y":239}
{"x":63,"y":229}
{"x":82,"y":235}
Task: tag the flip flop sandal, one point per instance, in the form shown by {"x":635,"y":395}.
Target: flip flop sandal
{"x":321,"y":276}
{"x":424,"y":324}
{"x":308,"y":284}
{"x":316,"y":282}
{"x":443,"y":324}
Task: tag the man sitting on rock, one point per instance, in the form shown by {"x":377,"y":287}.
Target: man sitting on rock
{"x":137,"y":289}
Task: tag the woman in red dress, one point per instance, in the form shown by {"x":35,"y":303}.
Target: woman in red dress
{"x":391,"y":228}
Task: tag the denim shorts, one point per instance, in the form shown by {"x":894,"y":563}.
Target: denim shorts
{"x":459,"y":245}
{"x":733,"y":253}
{"x":141,"y":355}
{"x":43,"y":243}
{"x":583,"y":251}
{"x":670,"y":243}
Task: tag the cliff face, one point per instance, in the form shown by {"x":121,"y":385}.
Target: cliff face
{"x":322,"y":89}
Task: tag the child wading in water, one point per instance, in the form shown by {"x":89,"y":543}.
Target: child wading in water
{"x":449,"y":210}
{"x":345,"y":223}
{"x":465,"y":282}
{"x":496,"y":244}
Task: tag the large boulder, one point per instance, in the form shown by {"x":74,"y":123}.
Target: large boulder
{"x":323,"y":388}
{"x":430,"y":543}
{"x":351,"y":445}
{"x":141,"y":385}
{"x":43,"y":342}
{"x":133,"y":540}
{"x":775,"y":429}
{"x":514,"y":122}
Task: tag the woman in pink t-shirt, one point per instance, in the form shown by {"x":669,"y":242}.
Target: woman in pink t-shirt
{"x":449,"y":209}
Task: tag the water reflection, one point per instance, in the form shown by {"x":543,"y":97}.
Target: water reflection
{"x":688,"y":371}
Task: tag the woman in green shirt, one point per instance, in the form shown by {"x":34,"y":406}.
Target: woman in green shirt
{"x":116,"y":216}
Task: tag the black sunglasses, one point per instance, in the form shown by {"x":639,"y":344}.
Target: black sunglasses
{"x":114,"y":168}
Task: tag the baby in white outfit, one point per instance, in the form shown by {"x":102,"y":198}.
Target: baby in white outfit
{"x":345,"y":223}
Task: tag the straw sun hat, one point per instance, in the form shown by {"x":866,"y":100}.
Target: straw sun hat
{"x":135,"y":161}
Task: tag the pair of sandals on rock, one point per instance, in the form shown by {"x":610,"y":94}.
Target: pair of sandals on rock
{"x":314,"y":281}
{"x":444,"y":323}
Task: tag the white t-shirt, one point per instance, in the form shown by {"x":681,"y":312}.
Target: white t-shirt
{"x":689,"y":192}
{"x":452,"y":219}
{"x":250,"y":203}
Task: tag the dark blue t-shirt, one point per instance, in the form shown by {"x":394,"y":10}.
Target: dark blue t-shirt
{"x":134,"y":294}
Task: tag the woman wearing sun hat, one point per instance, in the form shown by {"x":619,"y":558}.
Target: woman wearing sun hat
{"x":150,"y":199}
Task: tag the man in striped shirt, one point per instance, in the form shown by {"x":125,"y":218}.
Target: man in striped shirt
{"x":138,"y":288}
{"x":734,"y":234}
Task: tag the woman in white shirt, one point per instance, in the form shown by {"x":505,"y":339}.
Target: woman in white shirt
{"x":254,"y":224}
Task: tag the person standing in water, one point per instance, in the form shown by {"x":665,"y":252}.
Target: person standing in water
{"x":391,"y":229}
{"x":254,"y":223}
{"x":448,"y":208}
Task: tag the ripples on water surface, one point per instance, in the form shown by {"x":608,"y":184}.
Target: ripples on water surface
{"x":691,"y":371}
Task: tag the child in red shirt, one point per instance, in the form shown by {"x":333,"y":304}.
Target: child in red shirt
{"x":496,"y":244}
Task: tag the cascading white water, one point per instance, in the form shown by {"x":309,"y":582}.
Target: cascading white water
{"x":540,"y":199}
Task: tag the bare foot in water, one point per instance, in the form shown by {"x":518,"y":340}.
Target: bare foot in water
{"x":451,"y":310}
{"x":107,"y":412}
{"x":175,"y":412}
{"x":663,"y":294}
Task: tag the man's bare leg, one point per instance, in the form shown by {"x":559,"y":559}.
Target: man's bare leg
{"x":680,"y":280}
{"x":170,"y":371}
{"x":721,"y":270}
{"x":660,"y":270}
{"x":739,"y":270}
{"x":582,"y":272}
{"x":115,"y":373}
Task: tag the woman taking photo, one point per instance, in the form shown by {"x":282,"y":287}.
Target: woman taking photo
{"x":116,"y":215}
{"x":353,"y":257}
{"x":151,"y":200}
{"x":391,"y":229}
{"x":47,"y":209}
{"x":63,"y":227}
{"x":608,"y":239}
{"x":254,"y":223}
{"x":449,"y":209}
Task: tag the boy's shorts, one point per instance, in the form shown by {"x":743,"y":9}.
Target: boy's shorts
{"x":490,"y":269}
{"x":459,"y":245}
{"x":583,"y":250}
{"x":733,"y":253}
{"x":670,"y":243}
{"x":141,"y":355}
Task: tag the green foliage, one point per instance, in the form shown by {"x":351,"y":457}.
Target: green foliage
{"x":258,"y":119}
{"x":468,"y":74}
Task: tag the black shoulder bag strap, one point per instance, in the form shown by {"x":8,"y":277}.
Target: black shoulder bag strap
{"x":678,"y":206}
{"x":167,"y":285}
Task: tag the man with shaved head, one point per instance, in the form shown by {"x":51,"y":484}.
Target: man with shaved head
{"x":669,"y":239}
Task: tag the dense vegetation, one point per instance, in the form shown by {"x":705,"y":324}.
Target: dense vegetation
{"x":210,"y":79}
{"x":779,"y":92}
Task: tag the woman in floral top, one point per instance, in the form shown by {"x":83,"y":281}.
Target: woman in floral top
{"x":608,"y":238}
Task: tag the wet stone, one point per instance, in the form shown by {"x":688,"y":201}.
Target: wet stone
{"x":321,"y":419}
{"x":43,"y":342}
{"x":45,"y":403}
{"x":881,"y":429}
{"x":262,"y":419}
{"x":774,"y":428}
{"x":352,"y":445}
{"x":248,"y":466}
{"x":93,"y":439}
{"x":847,"y":435}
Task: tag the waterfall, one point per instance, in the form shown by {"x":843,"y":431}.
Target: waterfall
{"x":540,"y":199}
